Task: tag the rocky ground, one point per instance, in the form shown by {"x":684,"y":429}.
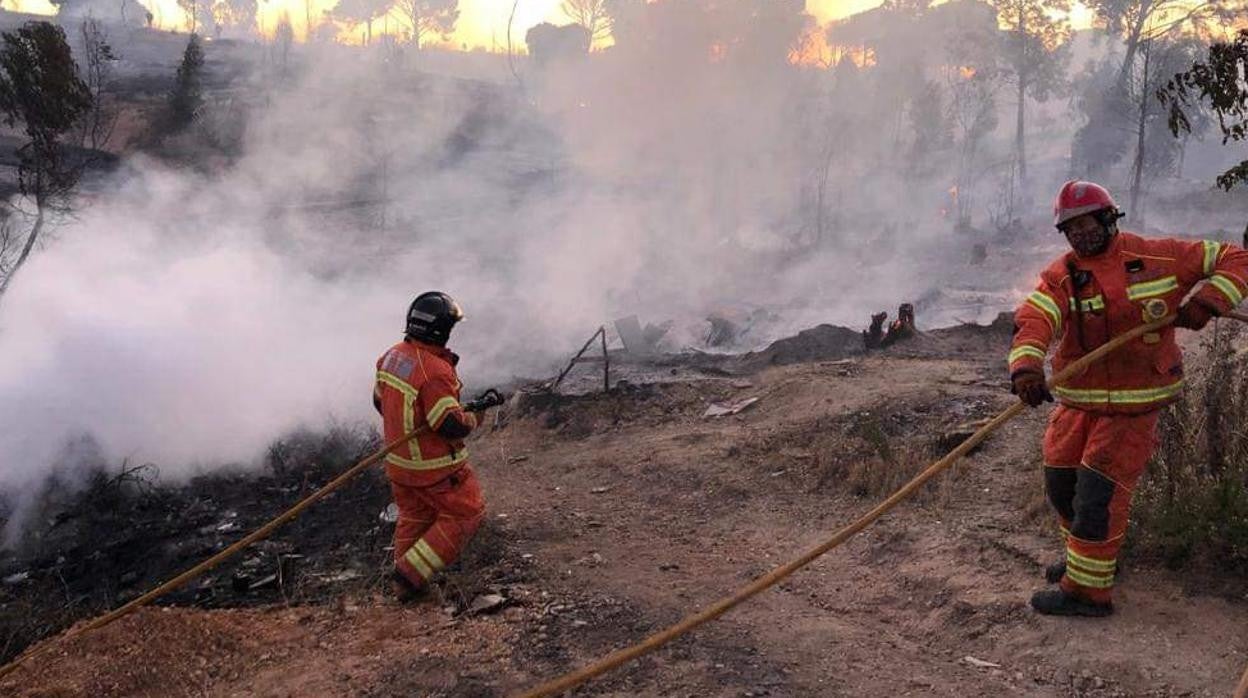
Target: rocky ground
{"x":613,"y":516}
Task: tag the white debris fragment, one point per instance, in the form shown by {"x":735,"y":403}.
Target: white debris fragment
{"x":718,"y":410}
{"x":390,"y":514}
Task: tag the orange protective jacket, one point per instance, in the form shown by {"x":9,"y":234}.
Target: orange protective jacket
{"x":1086,"y":301}
{"x":417,"y":386}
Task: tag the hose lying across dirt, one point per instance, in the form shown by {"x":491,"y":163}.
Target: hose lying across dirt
{"x":657,"y":640}
{"x":222,"y":556}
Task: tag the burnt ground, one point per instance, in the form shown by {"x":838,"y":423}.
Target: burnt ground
{"x":612,"y":516}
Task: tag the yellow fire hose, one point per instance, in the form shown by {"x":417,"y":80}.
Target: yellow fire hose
{"x":657,"y":640}
{"x":220,"y":557}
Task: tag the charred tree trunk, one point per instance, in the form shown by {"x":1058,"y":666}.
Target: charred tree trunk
{"x":1020,"y":144}
{"x":35,"y":230}
{"x":1137,"y":175}
{"x":1133,"y":43}
{"x":824,"y":175}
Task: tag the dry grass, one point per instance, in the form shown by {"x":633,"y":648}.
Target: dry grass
{"x":1193,"y":503}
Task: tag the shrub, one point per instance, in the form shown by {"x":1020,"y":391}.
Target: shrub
{"x":1192,"y":505}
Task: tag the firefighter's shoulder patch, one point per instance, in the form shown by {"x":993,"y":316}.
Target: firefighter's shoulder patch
{"x":398,"y":363}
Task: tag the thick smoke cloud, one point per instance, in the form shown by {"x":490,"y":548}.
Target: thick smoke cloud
{"x":188,"y":319}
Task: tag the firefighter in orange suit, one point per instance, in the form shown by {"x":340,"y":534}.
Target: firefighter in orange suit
{"x":1103,"y":431}
{"x":436,"y":492}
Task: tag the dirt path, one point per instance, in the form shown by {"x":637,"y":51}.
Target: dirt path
{"x":614,"y":516}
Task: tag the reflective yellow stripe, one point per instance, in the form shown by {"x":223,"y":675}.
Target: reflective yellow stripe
{"x":1089,"y":564}
{"x":409,"y":393}
{"x":1148,"y":289}
{"x":1026,"y":350}
{"x":1089,"y":304}
{"x":416,"y":561}
{"x":1065,"y":532}
{"x":1120,"y":397}
{"x":397,"y":383}
{"x":1087,"y":580}
{"x":439,"y":409}
{"x":1046,"y":304}
{"x":1211,"y":255}
{"x":1227,"y":287}
{"x":427,"y":464}
{"x":427,"y":552}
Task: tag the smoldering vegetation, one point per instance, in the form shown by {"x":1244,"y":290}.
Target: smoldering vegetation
{"x":730,"y":173}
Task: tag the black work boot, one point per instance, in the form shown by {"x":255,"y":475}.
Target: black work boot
{"x":1055,"y":602}
{"x":1054,"y":572}
{"x":405,"y":592}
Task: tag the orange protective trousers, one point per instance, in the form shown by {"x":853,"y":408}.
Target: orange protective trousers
{"x":1092,"y":462}
{"x":435,"y":523}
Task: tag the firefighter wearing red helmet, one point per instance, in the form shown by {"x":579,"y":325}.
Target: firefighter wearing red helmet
{"x":1102,"y":432}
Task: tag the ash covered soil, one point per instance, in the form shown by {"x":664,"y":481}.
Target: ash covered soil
{"x":613,"y":516}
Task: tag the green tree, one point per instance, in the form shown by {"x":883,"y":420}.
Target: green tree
{"x":356,"y":12}
{"x":927,"y":120}
{"x":427,"y":17}
{"x":594,"y":15}
{"x":96,"y":128}
{"x":39,"y":89}
{"x":1033,"y":57}
{"x":237,"y":15}
{"x":1109,"y":106}
{"x":283,"y":40}
{"x":1217,"y":84}
{"x":186,"y":98}
{"x":973,"y":115}
{"x":1157,"y":58}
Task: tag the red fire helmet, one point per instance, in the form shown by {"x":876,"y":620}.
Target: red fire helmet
{"x":1078,"y":198}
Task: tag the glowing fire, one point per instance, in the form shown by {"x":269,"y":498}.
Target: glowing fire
{"x":483,"y":24}
{"x":966,"y":72}
{"x":812,"y":50}
{"x":718,"y":52}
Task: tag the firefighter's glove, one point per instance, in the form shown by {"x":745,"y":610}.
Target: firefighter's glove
{"x":484,"y":401}
{"x":1194,"y":315}
{"x":1030,"y":388}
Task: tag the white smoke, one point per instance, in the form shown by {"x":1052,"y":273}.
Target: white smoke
{"x":188,"y":319}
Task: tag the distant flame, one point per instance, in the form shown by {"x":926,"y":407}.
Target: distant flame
{"x":812,"y":50}
{"x":966,"y":72}
{"x":718,"y":52}
{"x":860,"y":56}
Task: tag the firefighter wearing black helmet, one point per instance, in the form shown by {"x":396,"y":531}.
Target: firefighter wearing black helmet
{"x":434,"y":487}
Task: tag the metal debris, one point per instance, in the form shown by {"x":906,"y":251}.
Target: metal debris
{"x":718,"y":410}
